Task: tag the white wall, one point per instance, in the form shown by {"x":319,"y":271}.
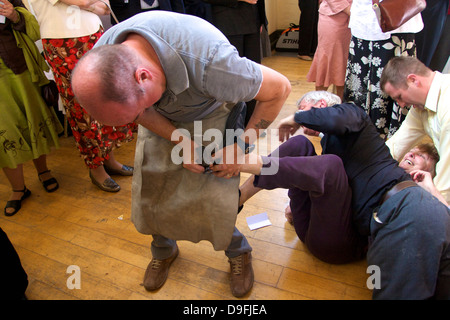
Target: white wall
{"x":281,"y":13}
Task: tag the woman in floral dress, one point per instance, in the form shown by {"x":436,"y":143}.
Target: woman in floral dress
{"x":370,"y":50}
{"x":68,"y":31}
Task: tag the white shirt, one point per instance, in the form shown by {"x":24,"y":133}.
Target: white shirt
{"x":364,"y":23}
{"x":58,"y":20}
{"x":433,"y":121}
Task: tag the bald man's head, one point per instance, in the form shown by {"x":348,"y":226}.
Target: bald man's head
{"x":104,"y":83}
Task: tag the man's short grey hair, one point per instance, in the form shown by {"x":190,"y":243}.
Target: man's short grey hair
{"x":115,"y":65}
{"x":315,"y":96}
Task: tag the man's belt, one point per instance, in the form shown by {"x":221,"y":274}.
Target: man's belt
{"x":397,"y":188}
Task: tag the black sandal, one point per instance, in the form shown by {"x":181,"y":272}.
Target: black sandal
{"x":48,"y":182}
{"x":17,"y":204}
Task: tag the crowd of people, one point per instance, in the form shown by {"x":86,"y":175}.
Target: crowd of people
{"x":376,"y":191}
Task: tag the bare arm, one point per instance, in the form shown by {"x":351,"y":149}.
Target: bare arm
{"x":275,"y":89}
{"x":160,"y":125}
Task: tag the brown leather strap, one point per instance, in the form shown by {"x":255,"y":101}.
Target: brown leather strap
{"x":397,"y":188}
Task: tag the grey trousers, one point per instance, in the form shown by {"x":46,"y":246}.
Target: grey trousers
{"x":162,"y":248}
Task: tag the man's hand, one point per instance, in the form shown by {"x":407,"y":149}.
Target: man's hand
{"x":192,"y":156}
{"x":310,"y":132}
{"x":230,"y":160}
{"x":425,"y":180}
{"x":287,"y":127}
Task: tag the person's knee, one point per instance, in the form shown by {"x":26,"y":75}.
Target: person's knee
{"x":298,"y":146}
{"x":334,"y":173}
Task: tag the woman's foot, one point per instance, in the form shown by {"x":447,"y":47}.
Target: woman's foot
{"x":288,"y":214}
{"x":114,"y":167}
{"x":124,"y":170}
{"x":15,"y":201}
{"x":48,"y":181}
{"x":305,"y":57}
{"x":101,"y":179}
{"x":252,"y":164}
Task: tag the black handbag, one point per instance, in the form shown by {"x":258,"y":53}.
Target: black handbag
{"x":235,"y":121}
{"x":50,"y":94}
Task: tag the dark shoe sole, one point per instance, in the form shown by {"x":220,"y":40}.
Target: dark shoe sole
{"x":16,"y":204}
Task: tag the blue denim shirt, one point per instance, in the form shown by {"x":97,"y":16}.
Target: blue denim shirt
{"x":202,"y":69}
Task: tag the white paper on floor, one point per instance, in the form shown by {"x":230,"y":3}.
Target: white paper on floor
{"x":258,"y":221}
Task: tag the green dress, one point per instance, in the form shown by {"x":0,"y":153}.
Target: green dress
{"x":28,"y":127}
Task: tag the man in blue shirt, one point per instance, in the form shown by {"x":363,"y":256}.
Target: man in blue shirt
{"x":167,"y":71}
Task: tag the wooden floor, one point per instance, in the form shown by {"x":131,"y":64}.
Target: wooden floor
{"x":83,"y":226}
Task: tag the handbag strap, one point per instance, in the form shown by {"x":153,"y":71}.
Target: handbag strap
{"x":112,"y":12}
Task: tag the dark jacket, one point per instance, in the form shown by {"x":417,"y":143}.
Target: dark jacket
{"x":350,"y":134}
{"x":234,"y":17}
{"x":124,"y":9}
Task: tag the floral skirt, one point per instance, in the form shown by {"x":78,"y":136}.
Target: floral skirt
{"x":28,"y":128}
{"x":94,"y":140}
{"x":365,"y":64}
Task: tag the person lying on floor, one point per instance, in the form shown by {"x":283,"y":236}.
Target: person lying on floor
{"x":355,"y":199}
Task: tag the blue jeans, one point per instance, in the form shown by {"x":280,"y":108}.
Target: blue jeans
{"x":411,"y":247}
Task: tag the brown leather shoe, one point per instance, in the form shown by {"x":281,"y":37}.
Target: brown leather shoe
{"x":242,"y":277}
{"x":157,"y":272}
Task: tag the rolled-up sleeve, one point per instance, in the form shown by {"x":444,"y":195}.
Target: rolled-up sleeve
{"x":231,"y":78}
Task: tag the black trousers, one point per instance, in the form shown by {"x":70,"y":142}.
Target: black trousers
{"x":309,"y":17}
{"x":434,"y":17}
{"x":14,"y":278}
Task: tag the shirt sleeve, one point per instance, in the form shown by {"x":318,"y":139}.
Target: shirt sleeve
{"x":339,"y":119}
{"x":442,"y":179}
{"x":231,"y":78}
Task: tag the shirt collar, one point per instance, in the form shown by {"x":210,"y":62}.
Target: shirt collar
{"x":433,"y":94}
